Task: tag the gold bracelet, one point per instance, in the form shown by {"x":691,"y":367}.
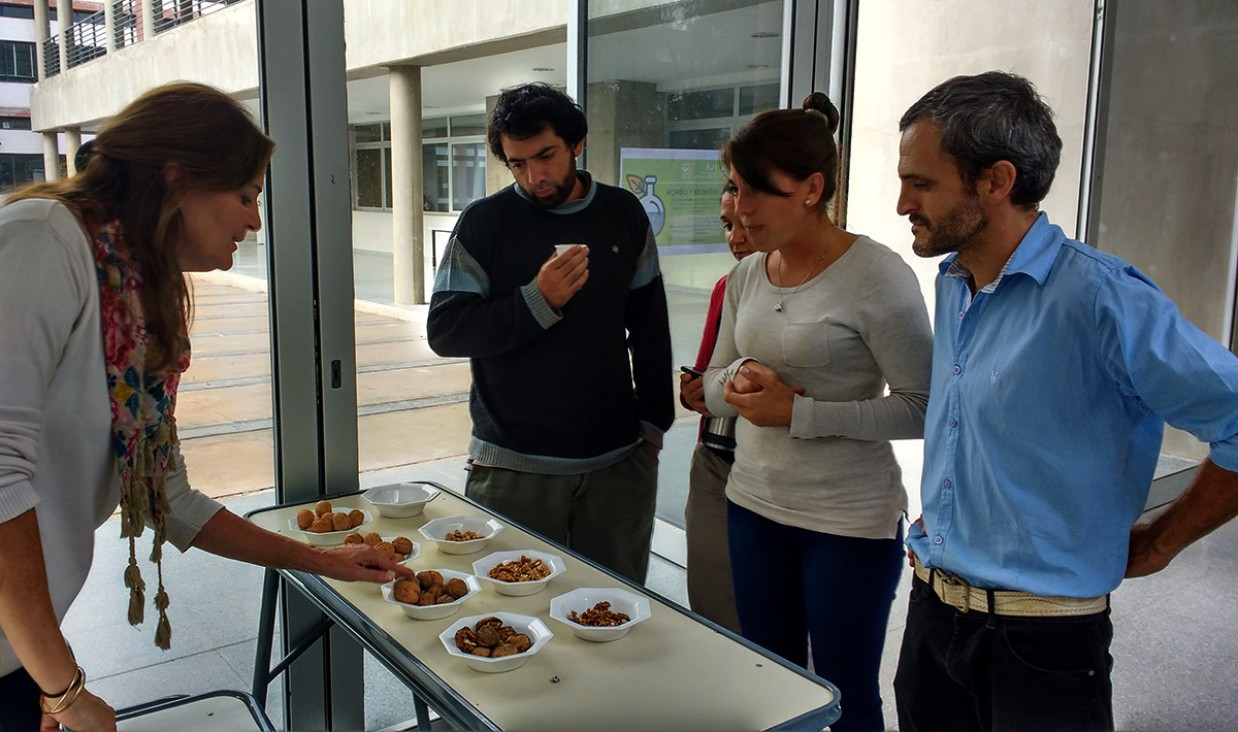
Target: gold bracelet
{"x":69,"y":696}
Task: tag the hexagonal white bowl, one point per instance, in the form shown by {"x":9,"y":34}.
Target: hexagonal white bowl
{"x":437,"y":530}
{"x":435,"y":612}
{"x":401,"y":500}
{"x":482,"y":568}
{"x":527,"y":624}
{"x":328,"y":538}
{"x":636,"y":607}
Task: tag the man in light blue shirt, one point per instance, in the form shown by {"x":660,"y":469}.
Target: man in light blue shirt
{"x":1055,"y":369}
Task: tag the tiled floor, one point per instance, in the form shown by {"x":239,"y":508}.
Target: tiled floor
{"x":1174,"y":651}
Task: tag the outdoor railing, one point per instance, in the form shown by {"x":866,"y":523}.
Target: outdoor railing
{"x":87,"y":39}
{"x":51,"y":56}
{"x":127,"y":17}
{"x":171,"y":13}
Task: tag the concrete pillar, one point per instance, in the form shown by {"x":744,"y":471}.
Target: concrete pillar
{"x":148,"y":19}
{"x":64,"y":20}
{"x":109,"y":24}
{"x":72,"y":141}
{"x":407,"y":186}
{"x":42,"y":31}
{"x":51,"y":156}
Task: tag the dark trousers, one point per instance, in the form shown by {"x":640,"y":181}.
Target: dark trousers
{"x":792,"y":585}
{"x":973,"y":671}
{"x":19,"y":703}
{"x":606,"y":515}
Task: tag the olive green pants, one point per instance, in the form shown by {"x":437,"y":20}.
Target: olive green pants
{"x":606,"y":515}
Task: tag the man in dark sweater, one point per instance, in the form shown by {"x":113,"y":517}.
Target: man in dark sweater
{"x":551,"y":287}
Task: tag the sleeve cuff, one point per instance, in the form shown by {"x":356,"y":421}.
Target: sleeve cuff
{"x":545,"y":315}
{"x":1225,"y":455}
{"x":189,"y":509}
{"x":16,"y":499}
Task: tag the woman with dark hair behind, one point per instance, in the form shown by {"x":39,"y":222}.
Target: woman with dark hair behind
{"x":815,"y":326}
{"x":94,"y":324}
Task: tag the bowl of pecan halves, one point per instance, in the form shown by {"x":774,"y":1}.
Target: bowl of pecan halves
{"x":494,"y":643}
{"x":600,"y":613}
{"x":520,"y":572}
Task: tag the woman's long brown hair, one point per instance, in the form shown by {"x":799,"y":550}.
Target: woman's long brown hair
{"x":216,"y":144}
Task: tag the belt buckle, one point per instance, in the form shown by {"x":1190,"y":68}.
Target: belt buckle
{"x":955,"y":592}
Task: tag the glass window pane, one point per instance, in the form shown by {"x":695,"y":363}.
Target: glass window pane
{"x":432,"y":128}
{"x":387,"y":177}
{"x":652,"y":80}
{"x":434,"y":170}
{"x":468,"y":174}
{"x":702,"y":104}
{"x":369,"y":184}
{"x":753,"y":99}
{"x":466,"y":126}
{"x":709,"y":139}
{"x":367,"y":133}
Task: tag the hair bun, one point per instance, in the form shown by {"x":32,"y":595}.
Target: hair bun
{"x":819,"y":102}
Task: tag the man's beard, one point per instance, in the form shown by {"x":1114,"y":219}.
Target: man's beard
{"x":560,"y":192}
{"x":956,"y":230}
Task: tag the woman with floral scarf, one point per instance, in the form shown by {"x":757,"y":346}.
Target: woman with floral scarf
{"x":94,"y":313}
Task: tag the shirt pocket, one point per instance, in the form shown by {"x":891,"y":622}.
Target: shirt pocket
{"x":806,"y":343}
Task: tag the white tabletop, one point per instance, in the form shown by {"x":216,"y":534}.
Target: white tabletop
{"x":673,"y":671}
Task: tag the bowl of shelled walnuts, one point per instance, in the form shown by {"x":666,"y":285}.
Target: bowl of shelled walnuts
{"x":494,"y":643}
{"x":323,"y":525}
{"x":461,"y":534}
{"x":519,"y":573}
{"x":600,"y":613}
{"x":431,"y":594}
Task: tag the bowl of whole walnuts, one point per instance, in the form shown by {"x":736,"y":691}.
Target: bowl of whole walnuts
{"x":432,"y":593}
{"x":494,"y":643}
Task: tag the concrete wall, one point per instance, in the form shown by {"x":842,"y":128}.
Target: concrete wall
{"x":426,"y":32}
{"x":220,"y":49}
{"x":906,"y":47}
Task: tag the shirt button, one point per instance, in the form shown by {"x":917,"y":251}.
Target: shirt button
{"x":962,"y":313}
{"x":957,"y":369}
{"x":947,"y":484}
{"x":953,"y":422}
{"x":937,"y":539}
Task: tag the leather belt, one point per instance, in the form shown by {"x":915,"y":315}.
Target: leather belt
{"x":963,"y":597}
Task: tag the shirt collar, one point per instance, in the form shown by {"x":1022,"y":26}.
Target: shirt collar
{"x":568,"y":207}
{"x":1034,"y":256}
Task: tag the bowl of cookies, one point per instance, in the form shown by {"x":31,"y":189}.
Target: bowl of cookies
{"x":494,"y":643}
{"x":600,"y":613}
{"x":461,"y":534}
{"x":324,"y":526}
{"x":401,"y":500}
{"x":519,"y":573}
{"x":431,"y":594}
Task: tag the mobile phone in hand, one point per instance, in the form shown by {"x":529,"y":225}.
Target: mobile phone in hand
{"x":690,"y":371}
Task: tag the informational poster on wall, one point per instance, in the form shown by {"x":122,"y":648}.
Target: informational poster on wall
{"x":679,"y":190}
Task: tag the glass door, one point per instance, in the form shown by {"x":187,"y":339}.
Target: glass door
{"x":665,"y":84}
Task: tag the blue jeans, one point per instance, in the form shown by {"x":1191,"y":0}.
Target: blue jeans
{"x":793,"y":585}
{"x":971,"y":672}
